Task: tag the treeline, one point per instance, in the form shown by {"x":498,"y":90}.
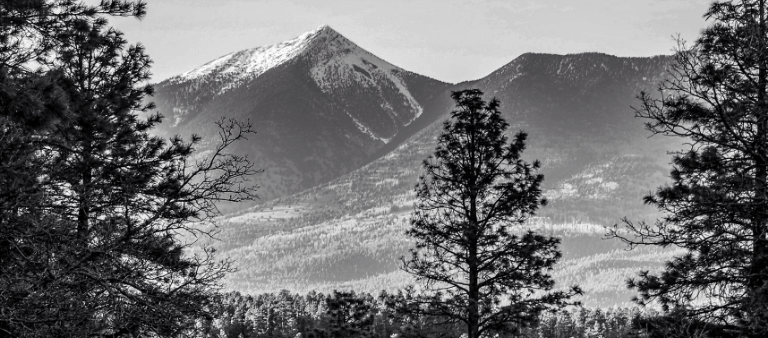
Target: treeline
{"x":350,"y":314}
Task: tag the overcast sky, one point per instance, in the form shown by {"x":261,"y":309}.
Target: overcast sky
{"x":450,"y":40}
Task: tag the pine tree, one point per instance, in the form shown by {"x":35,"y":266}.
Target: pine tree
{"x":482,"y":268}
{"x":717,"y":204}
{"x":92,"y":217}
{"x":349,"y":315}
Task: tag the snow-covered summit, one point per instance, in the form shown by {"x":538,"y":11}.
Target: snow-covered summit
{"x":372,"y":92}
{"x":339,"y":64}
{"x":255,"y":61}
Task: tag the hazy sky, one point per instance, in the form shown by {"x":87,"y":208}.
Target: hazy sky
{"x":450,"y":40}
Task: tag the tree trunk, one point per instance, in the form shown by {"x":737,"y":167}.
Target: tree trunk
{"x":473,"y":315}
{"x":84,"y":197}
{"x":756,"y":287}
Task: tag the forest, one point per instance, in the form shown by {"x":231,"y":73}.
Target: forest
{"x":347,"y":314}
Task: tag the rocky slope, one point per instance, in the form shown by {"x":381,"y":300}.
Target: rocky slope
{"x":322,"y":106}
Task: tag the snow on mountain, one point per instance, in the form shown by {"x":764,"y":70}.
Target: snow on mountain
{"x":342,"y":135}
{"x":337,"y":66}
{"x":322,"y":106}
{"x":252,"y":62}
{"x":341,"y":64}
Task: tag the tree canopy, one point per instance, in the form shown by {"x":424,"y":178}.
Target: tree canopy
{"x":97,"y":217}
{"x":717,"y":204}
{"x":486,"y":272}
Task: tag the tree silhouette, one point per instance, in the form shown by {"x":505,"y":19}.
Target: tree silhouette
{"x":94,"y":210}
{"x":481,"y":267}
{"x":717,"y":205}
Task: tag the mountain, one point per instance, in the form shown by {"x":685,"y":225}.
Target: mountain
{"x":321,"y":105}
{"x":577,"y":110}
{"x":596,"y":157}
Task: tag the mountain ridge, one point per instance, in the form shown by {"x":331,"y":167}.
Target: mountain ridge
{"x":322,"y":108}
{"x":347,"y":233}
{"x":338,"y":197}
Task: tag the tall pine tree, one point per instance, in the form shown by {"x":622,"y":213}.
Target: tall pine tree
{"x":484,"y":270}
{"x":717,"y":205}
{"x":92,"y":217}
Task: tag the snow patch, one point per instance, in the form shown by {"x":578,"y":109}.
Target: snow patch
{"x":388,"y":182}
{"x":342,"y":63}
{"x":594,"y":180}
{"x":367,"y":131}
{"x":178,"y":115}
{"x":565,"y":190}
{"x":336,"y":63}
{"x":251,"y":63}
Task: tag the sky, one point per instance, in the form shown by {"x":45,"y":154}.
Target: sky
{"x":449,"y":40}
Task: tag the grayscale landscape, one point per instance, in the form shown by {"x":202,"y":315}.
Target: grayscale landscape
{"x":542,"y":169}
{"x":348,"y":132}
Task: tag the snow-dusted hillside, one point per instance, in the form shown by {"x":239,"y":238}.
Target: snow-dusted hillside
{"x":338,"y":67}
{"x":253,"y":62}
{"x":342,"y":133}
{"x":321,"y":104}
{"x":597,"y":162}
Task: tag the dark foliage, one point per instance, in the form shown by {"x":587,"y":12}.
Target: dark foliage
{"x":286,"y":315}
{"x":484,"y":271}
{"x":717,"y":206}
{"x":679,"y":324}
{"x":93,"y":208}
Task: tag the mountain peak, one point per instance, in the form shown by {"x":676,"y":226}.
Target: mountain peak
{"x":319,"y":32}
{"x":325,"y":28}
{"x":336,"y":65}
{"x":255,"y":61}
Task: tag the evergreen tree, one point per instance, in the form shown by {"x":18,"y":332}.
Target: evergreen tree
{"x":717,"y":205}
{"x":349,"y":315}
{"x":92,"y":208}
{"x":483,"y":269}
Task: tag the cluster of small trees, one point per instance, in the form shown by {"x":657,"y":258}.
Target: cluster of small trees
{"x":349,"y":314}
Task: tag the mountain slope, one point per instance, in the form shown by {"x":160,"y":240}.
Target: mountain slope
{"x":597,"y":162}
{"x":322,"y":106}
{"x":577,"y":111}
